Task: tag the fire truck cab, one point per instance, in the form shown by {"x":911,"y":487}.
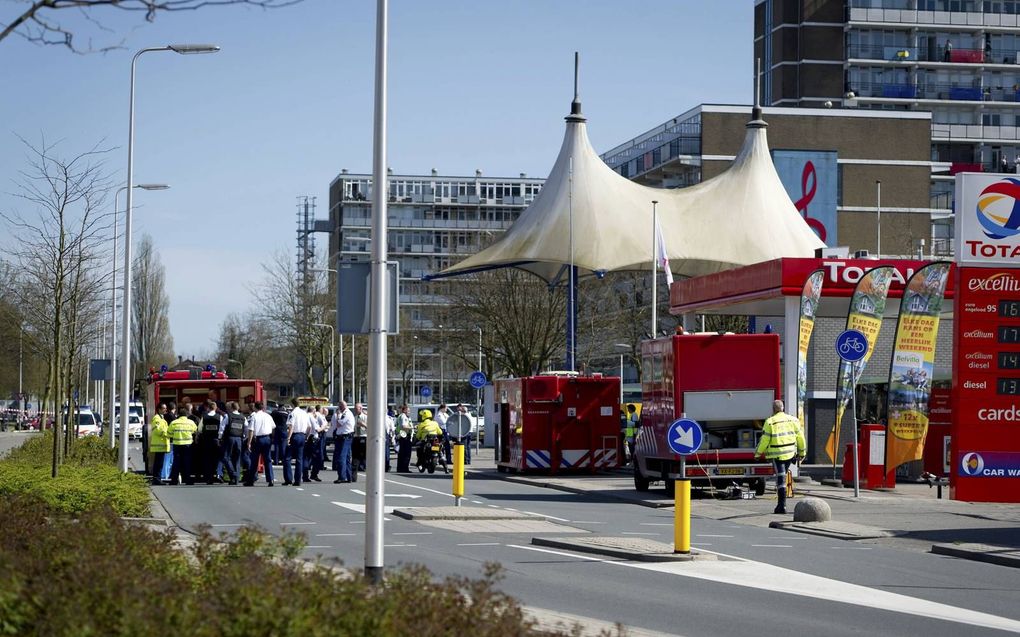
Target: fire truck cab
{"x":726,"y":382}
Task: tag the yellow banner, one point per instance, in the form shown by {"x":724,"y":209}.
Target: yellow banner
{"x":808,"y":304}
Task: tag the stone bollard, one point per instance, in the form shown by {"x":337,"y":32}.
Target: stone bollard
{"x":812,"y":510}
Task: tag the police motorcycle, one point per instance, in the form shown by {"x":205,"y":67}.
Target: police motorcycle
{"x":430,"y":454}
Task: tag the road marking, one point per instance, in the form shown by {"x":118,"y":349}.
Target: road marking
{"x":316,"y":495}
{"x":638,"y":533}
{"x":334,"y":534}
{"x":390,"y":495}
{"x":290,"y":523}
{"x":477,"y":502}
{"x":772,"y":546}
{"x":359,"y":508}
{"x":238,"y":524}
{"x":494,"y":506}
{"x":710,"y":535}
{"x":585,"y":558}
{"x":850,"y":548}
{"x":402,"y":546}
{"x":318,"y":546}
{"x":300,"y":488}
{"x":415,"y":533}
{"x":414,"y":486}
{"x":656,"y":524}
{"x":479,"y":544}
{"x":543,"y":515}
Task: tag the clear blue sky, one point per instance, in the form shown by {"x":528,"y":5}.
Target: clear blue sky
{"x":287,"y":103}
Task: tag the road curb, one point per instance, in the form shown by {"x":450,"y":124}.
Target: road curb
{"x":1000,"y":555}
{"x":606,"y":494}
{"x":622,"y":547}
{"x":835,"y":530}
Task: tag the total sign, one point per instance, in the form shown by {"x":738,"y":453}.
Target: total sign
{"x":987,"y":219}
{"x":985,"y":430}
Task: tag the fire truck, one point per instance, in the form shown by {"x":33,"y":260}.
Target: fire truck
{"x":726,"y":382}
{"x":199,"y":385}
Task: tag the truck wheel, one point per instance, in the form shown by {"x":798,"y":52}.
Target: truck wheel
{"x":670,"y":486}
{"x":641,"y":483}
{"x":759,"y":487}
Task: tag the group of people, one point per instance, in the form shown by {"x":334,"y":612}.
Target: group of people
{"x":216,"y":442}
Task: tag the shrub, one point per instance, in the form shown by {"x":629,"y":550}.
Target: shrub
{"x":88,"y":477}
{"x":98,"y":575}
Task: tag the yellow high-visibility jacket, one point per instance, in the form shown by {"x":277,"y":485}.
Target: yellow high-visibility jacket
{"x":781,"y":438}
{"x":159,"y":439}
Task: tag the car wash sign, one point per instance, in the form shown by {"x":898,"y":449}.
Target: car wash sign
{"x":985,"y":462}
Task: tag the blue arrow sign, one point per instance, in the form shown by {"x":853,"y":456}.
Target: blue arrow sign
{"x":851,"y":345}
{"x":684,"y":436}
{"x":425,"y":391}
{"x":477,"y":380}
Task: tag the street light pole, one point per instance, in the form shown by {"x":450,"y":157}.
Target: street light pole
{"x":478,"y":392}
{"x":878,"y":204}
{"x":125,"y":378}
{"x":621,"y":346}
{"x":442,"y":373}
{"x":414,"y":366}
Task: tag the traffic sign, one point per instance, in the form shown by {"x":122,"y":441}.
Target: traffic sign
{"x":458,"y":426}
{"x":478,"y":379}
{"x":685,"y":436}
{"x":851,"y":345}
{"x":425,"y":391}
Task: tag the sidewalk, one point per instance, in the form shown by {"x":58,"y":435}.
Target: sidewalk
{"x":909,"y":517}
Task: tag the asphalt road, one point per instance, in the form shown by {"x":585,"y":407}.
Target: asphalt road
{"x":766,"y":582}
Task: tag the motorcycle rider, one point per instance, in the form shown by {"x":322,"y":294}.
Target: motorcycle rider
{"x":426,"y":427}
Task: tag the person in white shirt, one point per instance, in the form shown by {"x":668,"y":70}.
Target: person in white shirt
{"x":259,"y":443}
{"x":442,"y":415}
{"x":343,"y":432}
{"x":404,"y":432}
{"x":360,"y":449}
{"x":391,"y":425}
{"x":299,"y":425}
{"x":315,"y":452}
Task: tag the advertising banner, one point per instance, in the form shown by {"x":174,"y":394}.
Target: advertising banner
{"x":808,"y":302}
{"x":913,"y":364}
{"x":810,"y":178}
{"x":866,"y":308}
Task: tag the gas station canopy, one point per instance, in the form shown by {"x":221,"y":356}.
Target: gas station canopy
{"x":739,"y":217}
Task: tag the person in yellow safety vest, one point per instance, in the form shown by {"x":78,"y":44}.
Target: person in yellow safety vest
{"x":425,"y":427}
{"x":630,"y":430}
{"x":159,"y":443}
{"x":182,"y":435}
{"x":781,"y":441}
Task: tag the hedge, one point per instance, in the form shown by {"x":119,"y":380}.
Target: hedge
{"x":88,"y":477}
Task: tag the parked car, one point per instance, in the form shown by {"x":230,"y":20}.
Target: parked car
{"x":88,"y":424}
{"x":134,"y":426}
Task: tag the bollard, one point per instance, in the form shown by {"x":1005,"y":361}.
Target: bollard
{"x":458,"y":472}
{"x":682,"y":517}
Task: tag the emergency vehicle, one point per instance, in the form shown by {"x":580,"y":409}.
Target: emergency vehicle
{"x":199,"y":385}
{"x":726,"y":382}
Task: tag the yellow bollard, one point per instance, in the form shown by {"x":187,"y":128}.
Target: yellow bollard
{"x":458,"y":472}
{"x":682,"y":517}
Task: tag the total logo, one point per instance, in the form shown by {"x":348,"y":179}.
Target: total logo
{"x":1001,"y":282}
{"x":972,"y":464}
{"x":998,"y":209}
{"x":838,"y":271}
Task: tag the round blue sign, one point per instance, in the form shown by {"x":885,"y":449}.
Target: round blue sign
{"x":684,"y":436}
{"x":851,"y":345}
{"x":477,"y":380}
{"x":425,"y":391}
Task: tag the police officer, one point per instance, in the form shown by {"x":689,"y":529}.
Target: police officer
{"x":182,"y":432}
{"x":298,"y":426}
{"x":279,"y":416}
{"x":159,"y":443}
{"x":404,"y":430}
{"x":781,"y":441}
{"x":231,"y":441}
{"x":209,"y":441}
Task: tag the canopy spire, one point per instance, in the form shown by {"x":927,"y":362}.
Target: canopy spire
{"x":575,"y":106}
{"x":756,"y":119}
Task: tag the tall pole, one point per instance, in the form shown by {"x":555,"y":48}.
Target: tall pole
{"x":621,"y":378}
{"x":21,"y":370}
{"x":878,"y":199}
{"x":414,"y":366}
{"x":354,"y":377}
{"x":332,"y":359}
{"x":655,"y":271}
{"x":571,"y":310}
{"x":341,"y":367}
{"x":379,"y":315}
{"x":113,"y":316}
{"x":478,"y":393}
{"x":442,"y":371}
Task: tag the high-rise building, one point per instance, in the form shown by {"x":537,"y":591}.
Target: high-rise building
{"x":957,"y":59}
{"x":434,"y":221}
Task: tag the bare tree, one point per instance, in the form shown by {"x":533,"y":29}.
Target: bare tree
{"x":151,"y":341}
{"x":47,"y":22}
{"x":56,"y":255}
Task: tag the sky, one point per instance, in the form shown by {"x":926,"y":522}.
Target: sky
{"x":288,"y":102}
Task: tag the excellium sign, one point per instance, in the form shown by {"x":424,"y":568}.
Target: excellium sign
{"x":987,"y":219}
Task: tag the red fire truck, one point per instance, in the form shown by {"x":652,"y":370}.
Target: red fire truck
{"x":726,"y":382}
{"x":199,"y":385}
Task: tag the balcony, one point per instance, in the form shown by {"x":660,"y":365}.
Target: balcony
{"x":912,"y":17}
{"x":881,"y":52}
{"x":965,"y":167}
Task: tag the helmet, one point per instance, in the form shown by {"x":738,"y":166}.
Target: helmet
{"x":426,"y":414}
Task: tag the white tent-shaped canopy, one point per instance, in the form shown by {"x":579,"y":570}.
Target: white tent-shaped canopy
{"x":740,"y":217}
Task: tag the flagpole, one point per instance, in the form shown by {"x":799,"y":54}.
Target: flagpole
{"x":655,"y":270}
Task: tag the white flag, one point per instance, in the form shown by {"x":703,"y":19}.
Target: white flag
{"x":661,"y":258}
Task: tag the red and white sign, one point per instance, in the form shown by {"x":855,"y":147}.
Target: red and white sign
{"x":987,"y":219}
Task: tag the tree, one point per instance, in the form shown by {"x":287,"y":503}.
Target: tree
{"x":151,"y":341}
{"x":46,"y":22}
{"x":56,"y":257}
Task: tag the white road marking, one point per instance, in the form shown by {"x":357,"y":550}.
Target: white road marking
{"x":710,"y":535}
{"x":638,"y":533}
{"x":359,"y":508}
{"x":402,"y":546}
{"x":494,"y":506}
{"x":389,"y":495}
{"x":300,"y":488}
{"x":318,"y":546}
{"x":414,"y":486}
{"x":290,"y":523}
{"x":479,"y":544}
{"x":334,"y":534}
{"x":772,"y":546}
{"x":543,"y":515}
{"x":415,"y":533}
{"x":477,"y":502}
{"x":316,"y":495}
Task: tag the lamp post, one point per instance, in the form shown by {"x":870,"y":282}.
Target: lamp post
{"x":621,"y":346}
{"x":113,"y":305}
{"x":354,"y":377}
{"x":878,"y":204}
{"x":442,"y":374}
{"x":414,"y":365}
{"x":332,"y":355}
{"x":125,"y":378}
{"x":478,"y":392}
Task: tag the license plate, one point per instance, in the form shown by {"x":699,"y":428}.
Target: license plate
{"x":730,"y":471}
{"x":435,"y":448}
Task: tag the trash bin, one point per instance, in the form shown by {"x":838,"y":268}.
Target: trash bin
{"x":871,"y":460}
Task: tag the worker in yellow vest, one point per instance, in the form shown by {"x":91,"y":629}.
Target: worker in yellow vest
{"x":159,"y":443}
{"x":182,"y":435}
{"x":781,"y":441}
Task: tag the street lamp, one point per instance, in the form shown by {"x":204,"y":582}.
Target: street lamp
{"x":332,"y":355}
{"x":442,"y":373}
{"x":125,"y":378}
{"x":621,"y":346}
{"x":478,"y":392}
{"x":113,"y":304}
